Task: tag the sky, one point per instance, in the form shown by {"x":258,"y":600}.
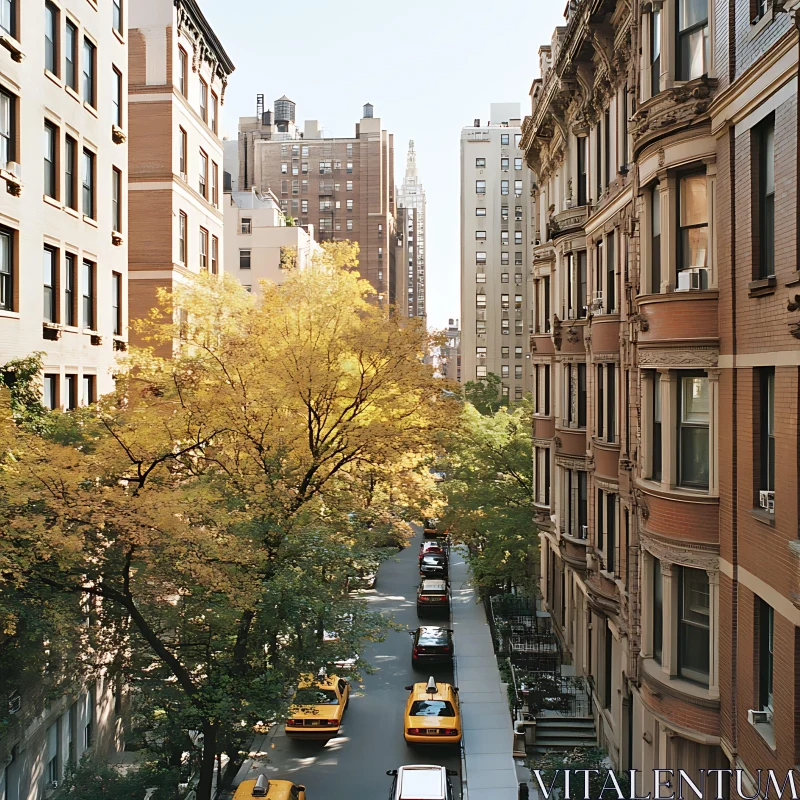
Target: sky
{"x":429,"y":67}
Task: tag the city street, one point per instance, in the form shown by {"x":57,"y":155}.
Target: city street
{"x":372,"y":734}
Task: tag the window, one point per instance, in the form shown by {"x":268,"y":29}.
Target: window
{"x":203,"y":100}
{"x":480,"y":352}
{"x":692,"y":39}
{"x":583,"y":183}
{"x":766,"y":197}
{"x":480,"y":371}
{"x":8,"y":16}
{"x":693,"y":422}
{"x":518,"y":277}
{"x":89,"y":87}
{"x":51,"y":38}
{"x":304,"y":206}
{"x":88,"y":184}
{"x":504,"y":371}
{"x":50,"y":144}
{"x":87,"y":294}
{"x":503,"y":187}
{"x":350,"y":167}
{"x":658,"y":611}
{"x":517,"y":188}
{"x":518,"y":393}
{"x":582,"y":277}
{"x":611,"y":274}
{"x":183,"y":71}
{"x":693,"y":625}
{"x":655,"y":51}
{"x":203,"y":177}
{"x":480,"y":235}
{"x":504,"y":213}
{"x":116,"y":96}
{"x":518,"y":371}
{"x":183,"y":153}
{"x":766,"y":654}
{"x":517,"y":163}
{"x":214,"y":255}
{"x":116,"y":303}
{"x":480,"y":212}
{"x":182,"y":238}
{"x":50,"y":281}
{"x":518,"y":239}
{"x":284,"y":169}
{"x":693,"y":224}
{"x":6,"y":270}
{"x":349,"y":225}
{"x":598,"y":151}
{"x":504,"y":301}
{"x":296,"y":190}
{"x":504,"y":164}
{"x":576,"y":503}
{"x":203,"y":249}
{"x":480,"y":327}
{"x":503,"y":138}
{"x":349,"y":186}
{"x":480,"y":257}
{"x":611,"y":403}
{"x":71,"y":55}
{"x":50,"y":393}
{"x":70,"y":403}
{"x":480,"y":187}
{"x":7,"y":127}
{"x":116,"y":200}
{"x":655,"y":442}
{"x":504,"y":262}
{"x":518,"y":327}
{"x":215,"y":184}
{"x":480,"y":300}
{"x":480,"y":163}
{"x":70,"y":298}
{"x":244,"y":259}
{"x":505,"y":327}
{"x":581,"y":395}
{"x":766,"y":434}
{"x":88,"y":396}
{"x":349,"y":205}
{"x":517,"y":352}
{"x":117,"y":15}
{"x":607,"y":147}
{"x":504,"y":238}
{"x":247,"y":225}
{"x":608,"y":660}
{"x":655,"y":240}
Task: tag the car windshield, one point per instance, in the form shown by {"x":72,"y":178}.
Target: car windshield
{"x":433,"y":639}
{"x":432,"y":708}
{"x":434,"y":560}
{"x":316,"y":697}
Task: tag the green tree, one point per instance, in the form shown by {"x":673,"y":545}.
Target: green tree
{"x":485,"y":394}
{"x":489,"y":494}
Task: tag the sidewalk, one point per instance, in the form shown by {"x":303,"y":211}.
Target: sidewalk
{"x":488,"y":766}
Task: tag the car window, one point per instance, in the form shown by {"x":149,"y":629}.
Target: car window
{"x":432,"y":708}
{"x":433,"y":560}
{"x":316,"y":697}
{"x":342,"y":686}
{"x":433,"y":640}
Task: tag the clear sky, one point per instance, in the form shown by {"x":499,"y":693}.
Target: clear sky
{"x":428,"y":66}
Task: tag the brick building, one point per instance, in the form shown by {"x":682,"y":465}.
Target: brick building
{"x":664,"y":138}
{"x":344,"y":187}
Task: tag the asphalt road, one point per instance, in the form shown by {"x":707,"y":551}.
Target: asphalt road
{"x":371,"y":739}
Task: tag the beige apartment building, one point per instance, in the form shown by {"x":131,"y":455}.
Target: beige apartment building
{"x":63,"y":171}
{"x":259,"y":245}
{"x":663,"y":137}
{"x":64,"y":165}
{"x":178,"y":74}
{"x":344,"y":187}
{"x":495,"y":248}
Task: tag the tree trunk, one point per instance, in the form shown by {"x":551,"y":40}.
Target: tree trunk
{"x":204,"y":785}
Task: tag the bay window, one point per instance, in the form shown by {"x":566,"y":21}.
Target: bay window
{"x":693,"y":226}
{"x":655,"y":438}
{"x":694,"y":625}
{"x":655,"y":240}
{"x":655,"y":51}
{"x":658,"y":611}
{"x":693,"y":431}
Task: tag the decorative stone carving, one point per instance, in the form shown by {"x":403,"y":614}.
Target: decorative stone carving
{"x":688,"y":555}
{"x":557,"y":442}
{"x":556,"y":332}
{"x":202,"y":50}
{"x":794,"y":305}
{"x":572,"y":334}
{"x":641,"y":321}
{"x":571,"y":463}
{"x":700,"y":357}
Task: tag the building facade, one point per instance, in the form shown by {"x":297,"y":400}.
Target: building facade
{"x":450,"y":358}
{"x":178,"y":74}
{"x":64,"y":171}
{"x":411,"y":196}
{"x":63,"y":71}
{"x":664,"y":143}
{"x":259,"y":245}
{"x":495,"y":248}
{"x":344,"y":187}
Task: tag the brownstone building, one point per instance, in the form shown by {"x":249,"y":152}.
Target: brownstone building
{"x":663,"y":137}
{"x":344,"y":187}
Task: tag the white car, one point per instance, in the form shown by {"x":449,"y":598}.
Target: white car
{"x":421,"y":782}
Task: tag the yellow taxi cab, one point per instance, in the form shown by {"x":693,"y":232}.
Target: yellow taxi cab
{"x":433,"y":715}
{"x":317,"y":708}
{"x":269,"y":789}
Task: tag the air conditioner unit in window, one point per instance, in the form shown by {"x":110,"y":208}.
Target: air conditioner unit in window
{"x":15,"y":169}
{"x":597,"y":301}
{"x":758,"y":717}
{"x":692,"y":279}
{"x":766,"y":500}
{"x":584,"y":531}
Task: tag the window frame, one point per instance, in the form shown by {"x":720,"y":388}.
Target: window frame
{"x":682,"y":481}
{"x":116,"y":303}
{"x":12,"y":23}
{"x":658,"y":611}
{"x":681,"y":248}
{"x":204,"y":251}
{"x":117,"y":16}
{"x":766,"y":656}
{"x":183,"y":72}
{"x":50,"y":287}
{"x":202,"y":175}
{"x":51,"y":159}
{"x":686,"y":34}
{"x":52,"y":53}
{"x":765,"y":133}
{"x":183,"y":224}
{"x":249,"y":257}
{"x":89,"y":72}
{"x":685,"y":671}
{"x":117,"y":97}
{"x":88,"y":290}
{"x":203,"y":100}
{"x":8,"y":269}
{"x":70,"y":293}
{"x":89,"y":189}
{"x":71,"y":38}
{"x":116,"y":200}
{"x":766,"y":434}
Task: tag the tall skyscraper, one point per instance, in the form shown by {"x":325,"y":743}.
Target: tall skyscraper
{"x":344,"y":187}
{"x":411,"y":196}
{"x":495,"y":244}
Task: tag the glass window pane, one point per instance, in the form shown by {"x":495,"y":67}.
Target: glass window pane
{"x":695,"y":401}
{"x":694,"y":457}
{"x":694,"y":247}
{"x":769,"y":159}
{"x":693,"y":200}
{"x":691,"y":12}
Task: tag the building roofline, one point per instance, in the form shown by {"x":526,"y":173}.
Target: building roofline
{"x":194,"y":9}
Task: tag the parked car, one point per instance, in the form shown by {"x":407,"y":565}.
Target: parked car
{"x":433,"y":714}
{"x":433,"y":597}
{"x":421,"y":780}
{"x":431,"y":645}
{"x":270,"y":790}
{"x":429,"y":548}
{"x":430,"y":525}
{"x":317,"y":708}
{"x":433,"y":566}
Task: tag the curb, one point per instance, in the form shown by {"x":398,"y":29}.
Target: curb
{"x":461,"y":750}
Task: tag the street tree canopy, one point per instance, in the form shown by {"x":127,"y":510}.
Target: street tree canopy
{"x":205,"y":517}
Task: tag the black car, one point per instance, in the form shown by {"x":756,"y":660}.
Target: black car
{"x":433,"y":566}
{"x":433,"y":597}
{"x":431,"y":646}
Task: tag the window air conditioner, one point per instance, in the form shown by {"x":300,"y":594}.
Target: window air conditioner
{"x":597,"y":302}
{"x":692,"y":279}
{"x":584,"y":531}
{"x":758,"y":717}
{"x":767,"y":501}
{"x":15,"y":169}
